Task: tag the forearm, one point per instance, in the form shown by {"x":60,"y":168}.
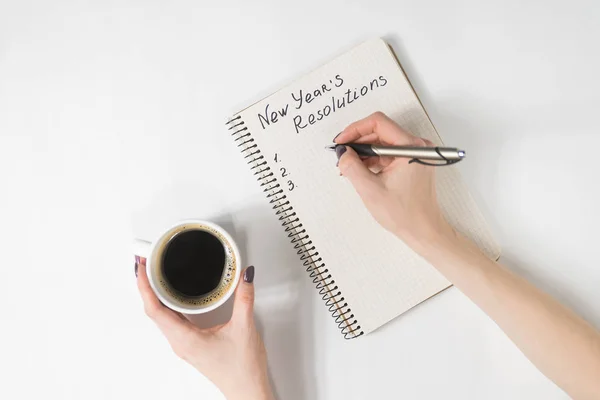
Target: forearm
{"x":560,"y":344}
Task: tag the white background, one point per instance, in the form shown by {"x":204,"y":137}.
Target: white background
{"x":111,"y":126}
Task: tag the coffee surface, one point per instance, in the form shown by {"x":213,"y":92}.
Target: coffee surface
{"x":193,"y":262}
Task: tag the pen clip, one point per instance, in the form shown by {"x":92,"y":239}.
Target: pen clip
{"x":437,"y":150}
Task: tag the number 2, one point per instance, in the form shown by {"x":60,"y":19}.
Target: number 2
{"x":283,"y":172}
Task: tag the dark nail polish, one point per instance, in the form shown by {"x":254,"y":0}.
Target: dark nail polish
{"x":336,"y":136}
{"x":136,"y":267}
{"x":339,"y":150}
{"x":249,"y":274}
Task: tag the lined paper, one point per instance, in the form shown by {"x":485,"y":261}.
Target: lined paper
{"x":379,"y":276}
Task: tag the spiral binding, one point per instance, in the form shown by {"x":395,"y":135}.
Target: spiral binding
{"x":321,"y":277}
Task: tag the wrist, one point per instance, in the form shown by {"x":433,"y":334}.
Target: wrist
{"x":449,"y":250}
{"x":433,"y":239}
{"x":257,"y":392}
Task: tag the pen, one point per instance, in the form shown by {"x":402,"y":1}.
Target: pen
{"x":450,"y":155}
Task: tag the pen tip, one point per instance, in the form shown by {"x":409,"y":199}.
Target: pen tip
{"x":330,"y":147}
{"x":462,"y":153}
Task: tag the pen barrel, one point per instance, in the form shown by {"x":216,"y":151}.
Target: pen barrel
{"x":421,"y":153}
{"x":363,"y":150}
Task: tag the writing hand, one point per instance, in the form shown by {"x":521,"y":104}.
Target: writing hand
{"x":401,"y":197}
{"x":231,"y":355}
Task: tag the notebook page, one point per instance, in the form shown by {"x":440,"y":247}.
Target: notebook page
{"x":379,"y":276}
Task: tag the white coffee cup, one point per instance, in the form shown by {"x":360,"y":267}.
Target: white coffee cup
{"x":153,"y":253}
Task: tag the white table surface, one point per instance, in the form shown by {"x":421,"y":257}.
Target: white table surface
{"x":111,"y":126}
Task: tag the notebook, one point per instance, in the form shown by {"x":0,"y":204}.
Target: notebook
{"x":365,"y":275}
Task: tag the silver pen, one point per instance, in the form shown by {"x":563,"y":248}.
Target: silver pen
{"x":450,"y":155}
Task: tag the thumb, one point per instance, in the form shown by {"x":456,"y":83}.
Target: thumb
{"x":243,"y":305}
{"x":353,"y":168}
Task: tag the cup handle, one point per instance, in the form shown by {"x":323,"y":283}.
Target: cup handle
{"x":141,"y":248}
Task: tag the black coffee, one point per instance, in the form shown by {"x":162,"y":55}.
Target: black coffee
{"x":193,"y":262}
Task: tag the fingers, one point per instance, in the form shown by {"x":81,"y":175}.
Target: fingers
{"x":377,"y":127}
{"x":377,"y":164}
{"x":243,"y":305}
{"x":139,"y":260}
{"x":353,"y":168}
{"x":173,"y":326}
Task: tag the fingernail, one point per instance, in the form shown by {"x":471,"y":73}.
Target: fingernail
{"x":249,"y":274}
{"x":336,"y":136}
{"x":339,"y":150}
{"x":137,"y":262}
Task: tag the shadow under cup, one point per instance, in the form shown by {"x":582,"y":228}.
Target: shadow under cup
{"x":178,"y":301}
